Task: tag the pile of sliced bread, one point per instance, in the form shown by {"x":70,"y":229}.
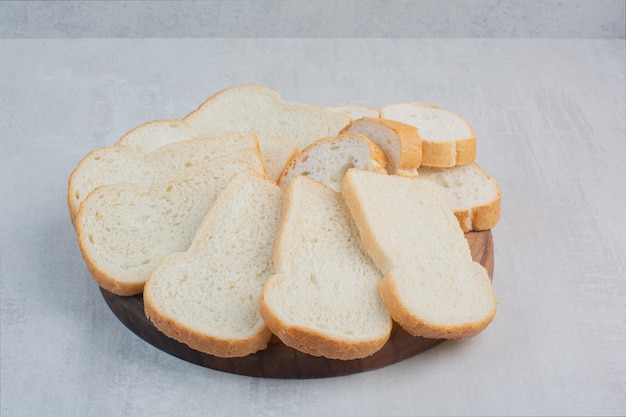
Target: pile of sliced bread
{"x":253,"y":216}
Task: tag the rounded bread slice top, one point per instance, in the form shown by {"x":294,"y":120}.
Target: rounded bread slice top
{"x":328,"y":159}
{"x":400,"y":143}
{"x":153,"y":135}
{"x":447,"y":138}
{"x":261,"y":110}
{"x":473,"y":195}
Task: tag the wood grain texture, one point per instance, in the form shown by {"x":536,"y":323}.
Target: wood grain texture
{"x":278,"y":360}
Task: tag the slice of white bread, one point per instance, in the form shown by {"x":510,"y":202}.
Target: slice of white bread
{"x":355,"y":111}
{"x":326,"y":160}
{"x":400,"y":143}
{"x":124,"y":230}
{"x":431,"y":285}
{"x":260,"y":110}
{"x":121,"y":163}
{"x":447,"y":138}
{"x":208,"y":296}
{"x":473,"y":195}
{"x":150,"y":136}
{"x":323,"y":299}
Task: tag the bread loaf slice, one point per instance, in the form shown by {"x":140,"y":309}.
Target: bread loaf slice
{"x":323,"y":299}
{"x":121,"y":163}
{"x":261,"y":110}
{"x":124,"y":230}
{"x":355,"y":111}
{"x":399,"y":142}
{"x":208,"y":296}
{"x":431,"y":285}
{"x":326,"y":160}
{"x":447,"y":138}
{"x":473,"y":195}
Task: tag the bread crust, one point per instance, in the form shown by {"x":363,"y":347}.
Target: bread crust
{"x":376,"y":154}
{"x":316,"y":343}
{"x":212,"y":345}
{"x":410,"y":143}
{"x":444,"y":154}
{"x":411,"y":154}
{"x":418,"y":327}
{"x":484,"y":216}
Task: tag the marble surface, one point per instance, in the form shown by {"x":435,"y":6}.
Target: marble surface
{"x":317,"y":19}
{"x":550,"y":121}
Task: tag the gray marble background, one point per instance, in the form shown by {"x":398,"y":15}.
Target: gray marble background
{"x":314,"y":19}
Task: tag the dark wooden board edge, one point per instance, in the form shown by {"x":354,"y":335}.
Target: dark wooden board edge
{"x":278,"y":360}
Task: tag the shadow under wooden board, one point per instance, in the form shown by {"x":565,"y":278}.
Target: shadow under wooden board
{"x":278,"y":360}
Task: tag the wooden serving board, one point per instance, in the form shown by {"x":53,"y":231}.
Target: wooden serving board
{"x":278,"y":360}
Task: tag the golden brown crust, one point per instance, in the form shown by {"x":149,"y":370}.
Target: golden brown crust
{"x":482,"y":217}
{"x":438,"y":154}
{"x":418,"y":327}
{"x":212,"y":345}
{"x":411,"y":149}
{"x":446,"y":154}
{"x":487,"y":216}
{"x":316,"y":343}
{"x":410,"y":142}
{"x":465,"y":150}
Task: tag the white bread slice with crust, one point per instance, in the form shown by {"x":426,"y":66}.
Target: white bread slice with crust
{"x":473,"y":195}
{"x":150,"y":136}
{"x":326,"y":160}
{"x":208,"y":296}
{"x":400,"y":143}
{"x":124,"y":230}
{"x":260,"y":110}
{"x":121,"y":163}
{"x":355,"y":111}
{"x":431,"y":285}
{"x":323,"y":299}
{"x":447,"y":138}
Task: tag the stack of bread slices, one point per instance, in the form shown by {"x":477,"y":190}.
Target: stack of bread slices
{"x":253,"y":216}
